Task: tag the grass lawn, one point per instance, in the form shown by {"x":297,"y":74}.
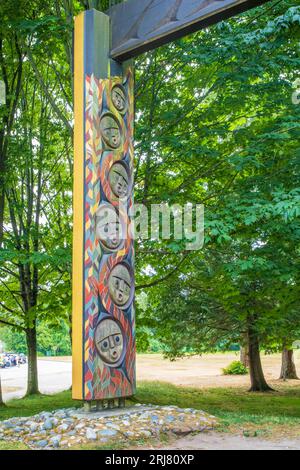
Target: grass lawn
{"x":274,"y":414}
{"x":36,"y":403}
{"x":12,"y":446}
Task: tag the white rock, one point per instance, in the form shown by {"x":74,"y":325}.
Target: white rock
{"x":91,"y":435}
{"x":63,"y":427}
{"x":80,"y":426}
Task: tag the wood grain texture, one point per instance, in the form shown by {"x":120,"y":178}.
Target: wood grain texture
{"x":141,"y":25}
{"x":77,"y":297}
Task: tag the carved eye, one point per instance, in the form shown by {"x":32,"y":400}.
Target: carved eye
{"x":117,"y":339}
{"x":104,"y":345}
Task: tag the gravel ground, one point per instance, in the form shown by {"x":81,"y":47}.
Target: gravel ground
{"x":67,"y":427}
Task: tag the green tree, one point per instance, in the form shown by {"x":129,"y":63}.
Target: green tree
{"x":14,"y":340}
{"x":35,"y":258}
{"x":216,"y":125}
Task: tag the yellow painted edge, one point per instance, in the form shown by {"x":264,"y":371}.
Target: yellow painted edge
{"x":78,"y":220}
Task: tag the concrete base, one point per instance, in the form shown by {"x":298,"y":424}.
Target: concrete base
{"x":106,"y":412}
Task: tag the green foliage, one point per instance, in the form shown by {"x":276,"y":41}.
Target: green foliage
{"x":35,"y":132}
{"x":53,"y":339}
{"x":235,"y":368}
{"x":216,"y":125}
{"x":14,"y":341}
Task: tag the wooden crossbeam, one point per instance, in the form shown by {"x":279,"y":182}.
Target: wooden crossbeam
{"x":141,"y":25}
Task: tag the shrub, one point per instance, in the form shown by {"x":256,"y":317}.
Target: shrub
{"x":235,"y":368}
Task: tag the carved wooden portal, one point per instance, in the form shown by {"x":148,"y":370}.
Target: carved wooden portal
{"x":103,"y":272}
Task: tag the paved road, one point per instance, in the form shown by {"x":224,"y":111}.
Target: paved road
{"x":219,"y":441}
{"x":54,"y":376}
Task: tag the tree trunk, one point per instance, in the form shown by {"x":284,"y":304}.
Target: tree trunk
{"x":258,"y":381}
{"x":32,"y":378}
{"x":2,"y":203}
{"x":70,"y":328}
{"x":244,"y":355}
{"x":1,"y":398}
{"x":288,"y":368}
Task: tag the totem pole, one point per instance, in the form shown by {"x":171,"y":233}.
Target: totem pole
{"x":103,"y":272}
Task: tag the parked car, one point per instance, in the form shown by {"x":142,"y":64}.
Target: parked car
{"x":12,"y":359}
{"x":2,"y":361}
{"x":23,"y":358}
{"x":7,"y":360}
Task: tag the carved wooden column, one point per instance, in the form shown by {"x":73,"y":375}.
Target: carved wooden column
{"x":103,"y":273}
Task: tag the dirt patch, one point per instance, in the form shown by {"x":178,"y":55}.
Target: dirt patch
{"x":6,"y":389}
{"x":56,"y":358}
{"x":214,"y":440}
{"x":218,"y":441}
{"x":200,"y":371}
{"x":204,"y":371}
{"x":267,"y":431}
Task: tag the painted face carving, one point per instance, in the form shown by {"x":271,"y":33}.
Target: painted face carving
{"x":110,"y":131}
{"x":119,"y":180}
{"x":118,"y":98}
{"x":108,"y":227}
{"x":119,"y":284}
{"x":109,"y":341}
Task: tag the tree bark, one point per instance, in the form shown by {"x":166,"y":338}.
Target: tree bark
{"x":288,"y":368}
{"x":258,"y":381}
{"x":244,"y":355}
{"x":2,"y":204}
{"x":1,"y":398}
{"x":32,"y":378}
